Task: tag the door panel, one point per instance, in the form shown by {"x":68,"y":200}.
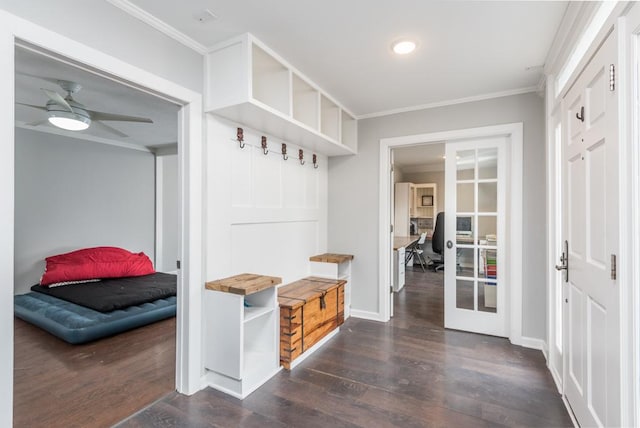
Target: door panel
{"x":475,"y":286}
{"x":590,"y":224}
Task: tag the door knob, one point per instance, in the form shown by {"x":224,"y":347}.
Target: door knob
{"x":449,"y":244}
{"x":561,"y":267}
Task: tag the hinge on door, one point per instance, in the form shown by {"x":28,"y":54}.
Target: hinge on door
{"x":391,"y":289}
{"x":390,"y":228}
{"x":612,"y":77}
{"x":391,"y":167}
{"x":178,"y":264}
{"x":614,"y":268}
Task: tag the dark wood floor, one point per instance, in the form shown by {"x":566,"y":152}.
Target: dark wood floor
{"x":409,"y":372}
{"x":91,"y":385}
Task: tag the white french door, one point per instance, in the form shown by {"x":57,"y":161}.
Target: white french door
{"x":590,"y":225}
{"x":475,"y":238}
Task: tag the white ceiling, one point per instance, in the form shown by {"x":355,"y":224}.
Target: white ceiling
{"x":466,"y":48}
{"x":425,"y":157}
{"x":97,"y":93}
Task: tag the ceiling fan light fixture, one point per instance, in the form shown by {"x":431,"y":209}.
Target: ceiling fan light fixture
{"x":403,"y":47}
{"x":69,"y":121}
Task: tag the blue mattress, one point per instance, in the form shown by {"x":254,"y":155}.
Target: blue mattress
{"x":77,"y":324}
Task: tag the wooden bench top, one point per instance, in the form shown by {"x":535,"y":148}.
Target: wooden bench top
{"x":244,"y":284}
{"x":299,"y":292}
{"x":331,"y":258}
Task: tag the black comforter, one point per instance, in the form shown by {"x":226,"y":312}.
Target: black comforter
{"x":115,"y":293}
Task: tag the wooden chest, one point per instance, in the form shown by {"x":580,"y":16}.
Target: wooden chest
{"x":309,"y":310}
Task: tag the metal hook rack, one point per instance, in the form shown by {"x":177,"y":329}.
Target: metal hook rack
{"x":263,"y":144}
{"x":301,"y":156}
{"x":240,"y":137}
{"x":315,"y":161}
{"x":284,"y":152}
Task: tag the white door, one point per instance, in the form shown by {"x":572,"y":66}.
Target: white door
{"x":475,"y":238}
{"x":590,"y":225}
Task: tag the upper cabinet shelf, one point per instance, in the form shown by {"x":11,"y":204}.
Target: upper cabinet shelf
{"x":250,"y":84}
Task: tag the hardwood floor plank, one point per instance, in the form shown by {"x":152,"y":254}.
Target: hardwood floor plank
{"x":410,"y":372}
{"x":96,"y":384}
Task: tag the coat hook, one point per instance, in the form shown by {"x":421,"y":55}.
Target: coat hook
{"x":284,"y":152}
{"x":240,"y":137}
{"x":265,"y":150}
{"x":315,"y":161}
{"x":301,"y":156}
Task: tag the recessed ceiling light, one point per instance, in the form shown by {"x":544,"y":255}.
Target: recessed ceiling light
{"x":403,"y":47}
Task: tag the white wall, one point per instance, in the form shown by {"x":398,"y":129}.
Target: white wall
{"x":264,"y":215}
{"x":167,"y":221}
{"x":98,"y":24}
{"x":354,"y":193}
{"x":72,"y":194}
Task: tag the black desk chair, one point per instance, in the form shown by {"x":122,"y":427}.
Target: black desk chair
{"x":437,"y":242}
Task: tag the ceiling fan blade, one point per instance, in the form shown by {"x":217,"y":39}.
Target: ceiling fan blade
{"x":58,"y":99}
{"x":37,"y":123}
{"x":109,"y":129}
{"x":31,"y":105}
{"x":98,"y":115}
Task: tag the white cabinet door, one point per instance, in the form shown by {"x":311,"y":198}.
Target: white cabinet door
{"x":475,"y":238}
{"x":591,"y":227}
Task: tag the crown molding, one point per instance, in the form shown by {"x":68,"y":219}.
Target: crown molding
{"x":80,"y":136}
{"x":445,"y":103}
{"x":159,"y":25}
{"x":573,"y":23}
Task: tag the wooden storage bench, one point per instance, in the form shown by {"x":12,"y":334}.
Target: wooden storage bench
{"x":310,"y":309}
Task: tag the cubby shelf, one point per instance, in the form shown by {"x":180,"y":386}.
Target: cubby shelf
{"x":250,"y":84}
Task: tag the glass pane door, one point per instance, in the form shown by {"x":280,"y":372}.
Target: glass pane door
{"x":474,"y":218}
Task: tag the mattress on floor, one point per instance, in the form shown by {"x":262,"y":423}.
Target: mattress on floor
{"x":110,"y":294}
{"x":76,"y":324}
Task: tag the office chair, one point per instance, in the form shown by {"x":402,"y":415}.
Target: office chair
{"x":416,"y":252}
{"x":437,"y":242}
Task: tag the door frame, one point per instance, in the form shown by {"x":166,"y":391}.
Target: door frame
{"x":515,"y":152}
{"x":190,"y":146}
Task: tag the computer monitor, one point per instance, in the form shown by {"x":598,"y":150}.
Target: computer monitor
{"x":463,"y":226}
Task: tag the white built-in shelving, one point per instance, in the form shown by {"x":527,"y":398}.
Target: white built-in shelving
{"x":241,"y":340}
{"x":248,"y":83}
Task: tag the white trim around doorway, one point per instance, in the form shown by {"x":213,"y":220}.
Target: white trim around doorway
{"x":189,"y":330}
{"x":512,"y":130}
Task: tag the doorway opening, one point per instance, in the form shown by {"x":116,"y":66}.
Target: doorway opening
{"x":114,"y":184}
{"x":418,"y":198}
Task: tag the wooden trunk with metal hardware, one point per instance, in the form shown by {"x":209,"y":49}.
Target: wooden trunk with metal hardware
{"x":310,"y":309}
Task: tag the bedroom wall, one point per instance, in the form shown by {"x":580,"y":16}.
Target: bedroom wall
{"x":71,"y":194}
{"x":264,"y":215}
{"x":352,"y":231}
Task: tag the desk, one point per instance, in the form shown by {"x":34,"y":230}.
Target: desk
{"x":399,"y":245}
{"x":403,"y":241}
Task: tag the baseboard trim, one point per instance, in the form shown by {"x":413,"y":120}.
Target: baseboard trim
{"x":532,"y":343}
{"x":366,"y":315}
{"x":556,"y":377}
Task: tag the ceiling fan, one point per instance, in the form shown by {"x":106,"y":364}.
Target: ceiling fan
{"x":67,"y":113}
